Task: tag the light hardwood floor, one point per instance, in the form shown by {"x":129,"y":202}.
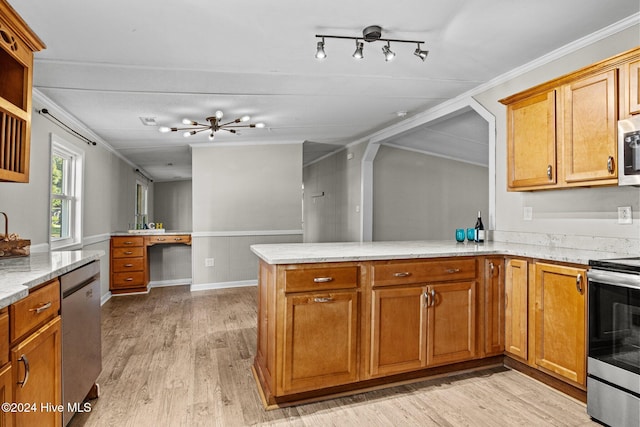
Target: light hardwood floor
{"x":176,"y":358}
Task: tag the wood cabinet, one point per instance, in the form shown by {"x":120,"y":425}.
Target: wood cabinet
{"x":563,"y":133}
{"x":560,"y":327}
{"x":418,"y":319}
{"x":516,"y":291}
{"x":129,"y":265}
{"x":494,"y":305}
{"x":590,"y":140}
{"x":17,"y":45}
{"x":531,"y":142}
{"x":6,"y":394}
{"x":35,"y":355}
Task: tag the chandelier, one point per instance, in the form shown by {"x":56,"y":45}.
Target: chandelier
{"x":372,"y":33}
{"x":212,"y":127}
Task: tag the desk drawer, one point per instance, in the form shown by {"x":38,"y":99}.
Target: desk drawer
{"x":35,"y":310}
{"x":322,"y":278}
{"x":439,"y":270}
{"x":125,"y":242}
{"x":130,"y":279}
{"x":127,"y":252}
{"x":175,"y":238}
{"x":127,"y":264}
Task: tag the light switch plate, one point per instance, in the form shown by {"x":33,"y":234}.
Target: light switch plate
{"x":527,"y":213}
{"x":624,"y":215}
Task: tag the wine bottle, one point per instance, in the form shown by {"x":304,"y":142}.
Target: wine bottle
{"x":479,"y":235}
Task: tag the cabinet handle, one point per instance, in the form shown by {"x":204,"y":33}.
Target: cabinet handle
{"x":453,"y":270}
{"x":549,"y":172}
{"x":177,"y":239}
{"x":610,"y":164}
{"x":160,"y":239}
{"x":24,"y":360}
{"x":402,"y":274}
{"x":43,"y":306}
{"x":491,"y":267}
{"x":322,"y":279}
{"x":128,"y":243}
{"x":433,"y":297}
{"x":324,"y":299}
{"x":128,"y":253}
{"x":579,"y":283}
{"x":426,"y":297}
{"x":128,"y":265}
{"x":129,"y":279}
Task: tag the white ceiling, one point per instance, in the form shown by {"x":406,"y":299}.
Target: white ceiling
{"x":109,"y":63}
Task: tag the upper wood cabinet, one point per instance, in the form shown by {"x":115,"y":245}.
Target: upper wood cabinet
{"x":563,"y":133}
{"x":17,"y":45}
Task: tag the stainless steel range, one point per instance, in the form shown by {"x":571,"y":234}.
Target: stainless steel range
{"x":613,"y":380}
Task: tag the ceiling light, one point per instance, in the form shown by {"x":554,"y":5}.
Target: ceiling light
{"x":320,"y":50}
{"x":422,"y":54}
{"x":388,"y":54}
{"x":358,"y":53}
{"x":212,"y":126}
{"x":372,"y":33}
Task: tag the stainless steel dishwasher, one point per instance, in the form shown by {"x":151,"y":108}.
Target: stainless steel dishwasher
{"x":81,"y":337}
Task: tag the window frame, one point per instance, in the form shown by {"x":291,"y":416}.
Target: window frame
{"x":141,"y":217}
{"x":74,"y":186}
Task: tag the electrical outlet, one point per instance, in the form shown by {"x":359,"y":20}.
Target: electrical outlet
{"x":208,"y":262}
{"x":527,"y":213}
{"x":624,"y":215}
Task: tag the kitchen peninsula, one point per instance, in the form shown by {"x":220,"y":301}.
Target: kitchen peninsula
{"x":337,"y":318}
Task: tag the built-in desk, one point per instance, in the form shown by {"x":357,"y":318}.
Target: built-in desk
{"x":129,"y":264}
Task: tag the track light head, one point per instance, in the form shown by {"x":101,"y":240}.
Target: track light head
{"x":422,"y":54}
{"x":388,"y":53}
{"x":358,"y":53}
{"x":320,"y":54}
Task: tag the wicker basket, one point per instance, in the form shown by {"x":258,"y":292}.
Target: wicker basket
{"x":10,"y":245}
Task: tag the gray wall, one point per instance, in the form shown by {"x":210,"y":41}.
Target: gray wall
{"x":563,"y":217}
{"x":242,"y":194}
{"x":418,"y":197}
{"x":334,"y":216}
{"x":109,"y":193}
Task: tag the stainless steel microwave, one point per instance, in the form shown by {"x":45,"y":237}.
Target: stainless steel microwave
{"x":629,"y":151}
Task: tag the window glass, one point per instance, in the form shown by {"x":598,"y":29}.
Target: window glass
{"x":66,"y":185}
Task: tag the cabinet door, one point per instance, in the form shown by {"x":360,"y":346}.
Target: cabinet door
{"x":37,"y":368}
{"x":516,"y":291}
{"x":633,"y":87}
{"x":531,"y":142}
{"x":451,"y":323}
{"x":320,"y":348}
{"x":398,"y":330}
{"x":494,"y":306}
{"x":590,"y":128}
{"x":6,"y":395}
{"x":560,"y":328}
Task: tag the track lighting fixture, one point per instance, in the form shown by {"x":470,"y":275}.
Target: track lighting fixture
{"x":372,"y":33}
{"x":213,"y":126}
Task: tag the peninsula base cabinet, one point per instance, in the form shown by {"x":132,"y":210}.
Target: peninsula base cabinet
{"x":545,"y":311}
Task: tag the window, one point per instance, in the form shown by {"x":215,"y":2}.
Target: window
{"x":66,"y":194}
{"x":141,"y":204}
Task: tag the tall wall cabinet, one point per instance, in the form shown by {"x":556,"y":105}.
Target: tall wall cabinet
{"x":17,"y":46}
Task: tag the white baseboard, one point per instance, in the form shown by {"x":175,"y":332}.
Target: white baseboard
{"x":106,"y":297}
{"x":173,"y":282}
{"x":223,"y":285}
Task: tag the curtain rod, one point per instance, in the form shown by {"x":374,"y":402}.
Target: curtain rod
{"x":67,"y":128}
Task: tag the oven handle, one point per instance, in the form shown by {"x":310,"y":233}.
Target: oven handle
{"x":614,"y":278}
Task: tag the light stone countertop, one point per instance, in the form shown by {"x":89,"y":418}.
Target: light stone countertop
{"x":18,"y":275}
{"x":298,"y":253}
{"x":150,"y":232}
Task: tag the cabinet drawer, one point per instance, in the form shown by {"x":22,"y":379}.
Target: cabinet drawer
{"x":398,"y":273}
{"x":127,"y":252}
{"x":306,"y":279}
{"x":35,"y":310}
{"x":4,"y":336}
{"x":127,"y":264}
{"x":176,"y":238}
{"x":128,"y":279}
{"x":124,"y":242}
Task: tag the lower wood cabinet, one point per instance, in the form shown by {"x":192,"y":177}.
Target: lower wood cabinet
{"x":493,"y":304}
{"x":6,"y":394}
{"x":560,"y":327}
{"x":516,"y":308}
{"x":320,"y":345}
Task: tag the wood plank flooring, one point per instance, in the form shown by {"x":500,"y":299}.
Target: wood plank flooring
{"x":176,"y":358}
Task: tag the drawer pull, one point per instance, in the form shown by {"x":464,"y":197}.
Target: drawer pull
{"x":129,"y":279}
{"x":160,"y":239}
{"x":402,"y":274}
{"x":325,"y":299}
{"x":453,"y":270}
{"x":128,"y":253}
{"x":128,"y":243}
{"x":177,"y":239}
{"x":24,"y":360}
{"x":128,"y":265}
{"x":322,"y":279}
{"x":43,"y":306}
